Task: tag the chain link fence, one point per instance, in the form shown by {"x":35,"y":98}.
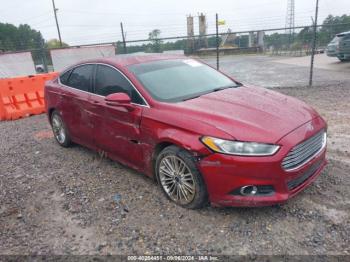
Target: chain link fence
{"x":236,"y":50}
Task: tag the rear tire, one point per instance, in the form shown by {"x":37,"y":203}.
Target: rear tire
{"x":343,"y":59}
{"x":180,"y":179}
{"x":59,"y":130}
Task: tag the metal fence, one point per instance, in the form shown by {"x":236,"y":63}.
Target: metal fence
{"x":273,"y":42}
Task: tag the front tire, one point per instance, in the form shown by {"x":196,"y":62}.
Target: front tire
{"x":343,"y":59}
{"x":59,"y":130}
{"x":180,"y":179}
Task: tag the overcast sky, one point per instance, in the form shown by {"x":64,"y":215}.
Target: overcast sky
{"x":86,"y":21}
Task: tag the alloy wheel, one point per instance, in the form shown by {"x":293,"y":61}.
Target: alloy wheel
{"x":58,"y":129}
{"x":177,"y":180}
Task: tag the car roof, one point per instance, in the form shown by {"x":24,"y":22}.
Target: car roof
{"x":130,"y":59}
{"x":344,"y":33}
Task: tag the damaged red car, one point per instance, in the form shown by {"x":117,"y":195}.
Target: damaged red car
{"x":201,"y":134}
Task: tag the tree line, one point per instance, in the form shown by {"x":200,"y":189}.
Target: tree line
{"x":23,"y":37}
{"x":331,"y":26}
{"x":14,"y":38}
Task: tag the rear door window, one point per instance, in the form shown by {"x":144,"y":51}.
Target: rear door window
{"x":80,"y":78}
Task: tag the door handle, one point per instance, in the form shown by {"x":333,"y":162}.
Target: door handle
{"x":95,"y":102}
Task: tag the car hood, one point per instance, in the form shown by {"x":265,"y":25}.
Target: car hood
{"x":249,"y":113}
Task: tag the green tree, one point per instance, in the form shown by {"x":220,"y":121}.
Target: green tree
{"x":23,"y":37}
{"x":333,"y":25}
{"x":55,"y":43}
{"x":156,"y":42}
{"x":305,"y":36}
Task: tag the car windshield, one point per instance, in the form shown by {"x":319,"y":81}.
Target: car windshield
{"x":336,"y":39}
{"x":179,"y":79}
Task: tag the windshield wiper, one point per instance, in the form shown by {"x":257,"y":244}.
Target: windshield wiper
{"x":222,"y":88}
{"x":214,"y":90}
{"x":219,"y":89}
{"x":189,"y":98}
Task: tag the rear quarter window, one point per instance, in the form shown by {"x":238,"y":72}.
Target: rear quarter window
{"x":64,"y":77}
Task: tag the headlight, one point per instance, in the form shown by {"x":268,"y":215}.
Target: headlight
{"x":238,"y":147}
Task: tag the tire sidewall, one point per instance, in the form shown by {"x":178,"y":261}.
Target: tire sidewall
{"x":67,"y":140}
{"x":201,"y":195}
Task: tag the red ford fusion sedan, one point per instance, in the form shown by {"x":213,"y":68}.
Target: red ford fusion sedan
{"x":201,"y":134}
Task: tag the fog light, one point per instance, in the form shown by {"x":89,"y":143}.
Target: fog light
{"x":248,"y":190}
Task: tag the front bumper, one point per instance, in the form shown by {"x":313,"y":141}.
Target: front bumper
{"x":225,"y":174}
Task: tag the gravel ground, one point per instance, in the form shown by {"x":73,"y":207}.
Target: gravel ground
{"x":61,"y":201}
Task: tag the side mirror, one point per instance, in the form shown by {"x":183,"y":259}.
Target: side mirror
{"x":119,"y":99}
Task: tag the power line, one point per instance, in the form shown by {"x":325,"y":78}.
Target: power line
{"x":41,"y":22}
{"x":248,"y":8}
{"x":176,"y":30}
{"x":25,"y":20}
{"x":183,"y":26}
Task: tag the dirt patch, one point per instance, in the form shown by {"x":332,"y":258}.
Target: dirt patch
{"x":44,"y":134}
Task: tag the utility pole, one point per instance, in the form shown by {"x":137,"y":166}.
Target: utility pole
{"x":217,"y":41}
{"x":58,"y":28}
{"x":313,"y":45}
{"x":123,"y":35}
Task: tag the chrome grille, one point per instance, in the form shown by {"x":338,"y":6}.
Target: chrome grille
{"x":303,"y":152}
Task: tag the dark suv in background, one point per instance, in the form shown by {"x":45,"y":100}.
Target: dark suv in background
{"x":340,"y":46}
